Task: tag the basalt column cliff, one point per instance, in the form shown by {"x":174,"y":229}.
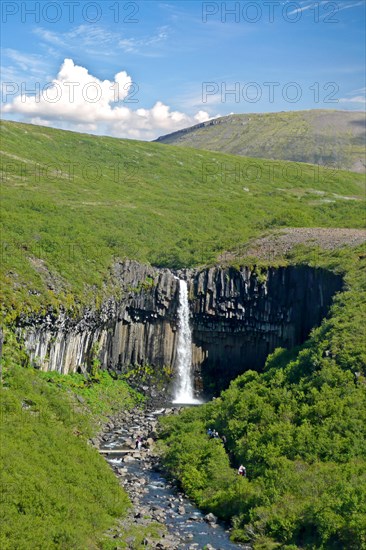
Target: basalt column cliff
{"x":236,"y":320}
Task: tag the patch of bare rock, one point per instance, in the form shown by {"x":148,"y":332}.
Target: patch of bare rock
{"x":281,"y":242}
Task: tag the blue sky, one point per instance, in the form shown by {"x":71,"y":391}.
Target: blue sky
{"x":177,"y":61}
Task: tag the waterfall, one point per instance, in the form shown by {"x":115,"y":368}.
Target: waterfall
{"x":184,"y":391}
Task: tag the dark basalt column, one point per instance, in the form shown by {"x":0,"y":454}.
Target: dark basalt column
{"x":237,"y":319}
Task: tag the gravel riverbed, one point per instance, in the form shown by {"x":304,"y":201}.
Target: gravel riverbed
{"x":155,"y":499}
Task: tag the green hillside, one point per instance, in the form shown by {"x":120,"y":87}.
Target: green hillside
{"x":57,"y":492}
{"x":327,"y":138}
{"x":73,"y":202}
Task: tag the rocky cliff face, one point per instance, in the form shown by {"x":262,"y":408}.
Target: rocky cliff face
{"x":236,"y":321}
{"x":140,"y":328}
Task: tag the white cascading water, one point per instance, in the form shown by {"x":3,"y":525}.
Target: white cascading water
{"x":184,"y":392}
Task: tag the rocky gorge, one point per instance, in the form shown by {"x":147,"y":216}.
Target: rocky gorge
{"x":155,"y":499}
{"x":238,"y":317}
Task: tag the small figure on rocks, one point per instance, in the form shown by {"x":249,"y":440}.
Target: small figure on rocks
{"x":138,"y":443}
{"x":242,"y":471}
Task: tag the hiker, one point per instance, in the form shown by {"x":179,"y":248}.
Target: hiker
{"x":209,"y":432}
{"x":242,"y":471}
{"x":138,"y":443}
{"x":224,"y":440}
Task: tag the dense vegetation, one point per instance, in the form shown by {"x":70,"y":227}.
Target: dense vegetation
{"x":56,"y":490}
{"x":73,"y":202}
{"x":325,"y":137}
{"x":299,"y":428}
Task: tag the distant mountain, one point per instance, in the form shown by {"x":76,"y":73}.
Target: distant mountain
{"x":327,"y":138}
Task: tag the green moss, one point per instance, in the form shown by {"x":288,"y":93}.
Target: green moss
{"x":137,"y":374}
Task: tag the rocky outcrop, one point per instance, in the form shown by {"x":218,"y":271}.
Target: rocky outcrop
{"x":238,"y":320}
{"x":136,"y":329}
{"x":238,"y":317}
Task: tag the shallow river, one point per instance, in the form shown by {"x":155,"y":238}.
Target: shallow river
{"x":182,"y":517}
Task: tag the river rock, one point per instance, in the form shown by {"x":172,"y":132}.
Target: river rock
{"x":135,"y":483}
{"x":210,"y":518}
{"x":128,"y":458}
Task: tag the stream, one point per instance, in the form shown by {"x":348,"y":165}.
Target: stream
{"x":155,"y":498}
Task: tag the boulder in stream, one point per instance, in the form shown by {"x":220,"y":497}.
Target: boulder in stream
{"x":210,"y":518}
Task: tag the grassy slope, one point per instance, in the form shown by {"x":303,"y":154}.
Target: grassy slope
{"x":56,"y":491}
{"x":328,"y":138}
{"x":166,"y":205}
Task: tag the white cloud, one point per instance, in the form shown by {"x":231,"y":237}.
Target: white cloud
{"x":100,"y":41}
{"x":310,"y":4}
{"x":350,"y":5}
{"x":19,"y":64}
{"x":77,"y":100}
{"x":201,"y":116}
{"x":361,"y":91}
{"x":138,"y":45}
{"x":356,"y":99}
{"x":50,"y":37}
{"x":305,"y":5}
{"x":356,"y":96}
{"x":300,"y":9}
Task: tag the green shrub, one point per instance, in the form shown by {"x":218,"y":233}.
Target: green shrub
{"x":299,"y":428}
{"x":56,"y":490}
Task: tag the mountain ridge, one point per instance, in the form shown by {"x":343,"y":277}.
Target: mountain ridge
{"x":324,"y":137}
